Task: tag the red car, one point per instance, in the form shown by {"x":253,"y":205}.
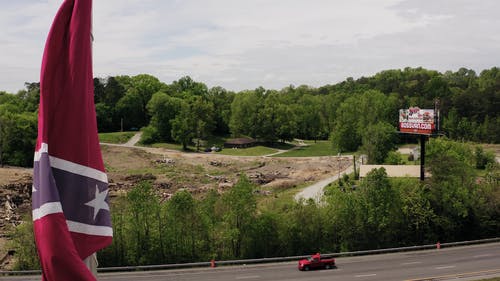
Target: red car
{"x":315,"y":261}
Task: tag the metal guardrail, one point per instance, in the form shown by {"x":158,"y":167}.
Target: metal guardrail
{"x":269,"y":260}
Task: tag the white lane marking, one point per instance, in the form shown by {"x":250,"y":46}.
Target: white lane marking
{"x":247,"y":277}
{"x":365,"y":275}
{"x":410,"y":263}
{"x":482,"y":256}
{"x":446,"y":267}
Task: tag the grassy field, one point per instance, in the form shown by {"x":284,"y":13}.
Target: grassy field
{"x":172,"y":146}
{"x":116,"y":137}
{"x":281,"y":198}
{"x":312,"y":148}
{"x":251,"y":151}
{"x":318,"y":148}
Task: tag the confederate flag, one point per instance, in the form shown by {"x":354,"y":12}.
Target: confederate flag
{"x":70,"y":187}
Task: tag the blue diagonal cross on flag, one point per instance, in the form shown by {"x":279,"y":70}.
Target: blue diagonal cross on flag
{"x":71,"y":217}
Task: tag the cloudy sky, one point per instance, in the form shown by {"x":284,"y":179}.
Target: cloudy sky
{"x":244,"y":44}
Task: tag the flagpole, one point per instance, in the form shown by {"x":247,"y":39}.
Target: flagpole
{"x":91,"y":263}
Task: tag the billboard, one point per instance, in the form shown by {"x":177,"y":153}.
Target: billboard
{"x":416,"y":121}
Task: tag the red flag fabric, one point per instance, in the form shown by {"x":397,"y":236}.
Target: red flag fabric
{"x":71,"y":217}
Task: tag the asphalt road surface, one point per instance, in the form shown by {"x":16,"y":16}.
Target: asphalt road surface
{"x":459,"y":263}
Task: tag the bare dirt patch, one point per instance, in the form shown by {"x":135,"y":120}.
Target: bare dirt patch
{"x":170,"y":171}
{"x":198,"y":172}
{"x":15,"y":189}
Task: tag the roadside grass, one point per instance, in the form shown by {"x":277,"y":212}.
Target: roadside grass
{"x":279,"y":199}
{"x":495,"y":148}
{"x":116,"y":137}
{"x":318,"y":148}
{"x":408,"y":162}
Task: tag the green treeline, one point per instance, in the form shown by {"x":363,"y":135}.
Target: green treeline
{"x":347,"y":112}
{"x":459,"y":202}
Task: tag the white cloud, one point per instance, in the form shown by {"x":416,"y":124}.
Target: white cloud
{"x":245,"y":44}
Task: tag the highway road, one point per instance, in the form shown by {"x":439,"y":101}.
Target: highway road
{"x":458,"y":263}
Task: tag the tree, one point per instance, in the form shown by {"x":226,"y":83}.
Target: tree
{"x":130,"y":110}
{"x":186,"y":87}
{"x":378,"y":140}
{"x":104,"y":118}
{"x":142,"y":206}
{"x":265,"y":236}
{"x":145,"y":86}
{"x":268,"y":116}
{"x":187,"y":227}
{"x":203,"y":119}
{"x":163,"y":110}
{"x":286,"y":121}
{"x":239,"y":215}
{"x":348,"y":218}
{"x":113,"y":91}
{"x":221,"y":100}
{"x":308,"y":117}
{"x":450,"y":124}
{"x":183,"y":222}
{"x":182,"y":126}
{"x":483,"y":158}
{"x":383,"y":207}
{"x":345,"y":136}
{"x":245,"y":114}
{"x":193,"y":121}
{"x":99,"y":90}
{"x":457,"y":156}
{"x":462,"y":79}
{"x":451,"y":166}
{"x":31,"y":97}
{"x":17,"y":138}
{"x":23,"y":241}
{"x":131,"y":95}
{"x":417,"y":214}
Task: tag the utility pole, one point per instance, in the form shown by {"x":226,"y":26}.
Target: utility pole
{"x":422,"y":156}
{"x":1,"y":144}
{"x":436,"y":116}
{"x":338,"y":161}
{"x":355,"y":171}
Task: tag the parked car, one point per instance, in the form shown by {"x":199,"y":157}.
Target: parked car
{"x":316,"y":262}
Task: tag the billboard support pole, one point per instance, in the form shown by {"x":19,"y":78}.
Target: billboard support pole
{"x":422,"y":157}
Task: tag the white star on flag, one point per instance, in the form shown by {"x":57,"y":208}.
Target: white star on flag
{"x":98,"y":202}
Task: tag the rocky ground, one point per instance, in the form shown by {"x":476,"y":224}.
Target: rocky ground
{"x":15,"y":202}
{"x":15,"y":188}
{"x":170,"y":171}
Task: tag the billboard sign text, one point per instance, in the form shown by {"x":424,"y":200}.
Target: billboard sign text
{"x":416,"y":121}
